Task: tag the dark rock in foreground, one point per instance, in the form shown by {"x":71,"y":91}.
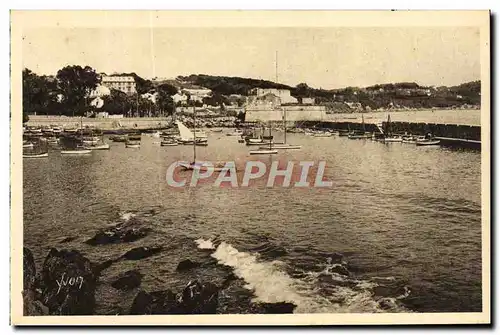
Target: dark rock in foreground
{"x":128,"y":231}
{"x":196,"y":298}
{"x":98,"y":268}
{"x":68,"y":283}
{"x":199,"y":298}
{"x":31,"y":306}
{"x":128,"y":280}
{"x":29,"y":270}
{"x":186,"y":265}
{"x":141,"y":252}
{"x":273,"y":308}
{"x":160,"y":302}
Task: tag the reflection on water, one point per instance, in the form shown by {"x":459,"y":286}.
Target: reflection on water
{"x":406,"y":219}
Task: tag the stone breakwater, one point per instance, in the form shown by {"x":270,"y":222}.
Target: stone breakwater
{"x":105,"y":124}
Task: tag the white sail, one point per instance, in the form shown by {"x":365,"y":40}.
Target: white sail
{"x":185,"y":133}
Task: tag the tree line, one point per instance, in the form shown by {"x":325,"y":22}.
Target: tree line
{"x":69,"y":93}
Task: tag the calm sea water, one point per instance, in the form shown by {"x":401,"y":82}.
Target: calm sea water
{"x":406,"y":219}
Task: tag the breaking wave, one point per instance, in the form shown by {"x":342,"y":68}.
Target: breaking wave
{"x":326,"y":291}
{"x":127,"y":216}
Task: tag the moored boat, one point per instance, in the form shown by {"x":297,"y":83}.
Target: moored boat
{"x":323,"y":134}
{"x":132,"y":144}
{"x":39,"y":155}
{"x":101,"y":146}
{"x":263,"y":152}
{"x":169,"y":144}
{"x":118,"y":138}
{"x":358,"y":136}
{"x":53,"y":141}
{"x":201,"y":166}
{"x":429,"y":142}
{"x":282,"y":146}
{"x":76,"y":152}
{"x":237,"y":132}
{"x":56,"y":130}
{"x":91,"y":140}
{"x":394,"y":138}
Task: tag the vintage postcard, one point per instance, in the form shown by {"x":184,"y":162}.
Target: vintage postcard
{"x":250,"y":167}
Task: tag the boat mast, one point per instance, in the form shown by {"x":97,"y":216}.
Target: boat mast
{"x":270,"y":137}
{"x":284,"y":123}
{"x":194,"y":133}
{"x":389,"y":130}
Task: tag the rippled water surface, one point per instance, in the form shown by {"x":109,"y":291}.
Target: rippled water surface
{"x":399,"y":230}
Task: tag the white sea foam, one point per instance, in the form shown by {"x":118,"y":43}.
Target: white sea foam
{"x":271,"y":284}
{"x":127,"y":216}
{"x":204,"y":244}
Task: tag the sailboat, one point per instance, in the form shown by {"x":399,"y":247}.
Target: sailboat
{"x":99,"y":144}
{"x":186,"y":136}
{"x":265,"y":150}
{"x":356,"y":135}
{"x":80,"y":150}
{"x":189,"y":137}
{"x":284,"y":145}
{"x":388,"y":133}
{"x":254,"y":139}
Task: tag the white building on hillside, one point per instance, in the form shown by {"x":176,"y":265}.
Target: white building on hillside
{"x":284,"y":95}
{"x":122,"y":83}
{"x":198,"y":92}
{"x":182,"y":98}
{"x":308,"y":101}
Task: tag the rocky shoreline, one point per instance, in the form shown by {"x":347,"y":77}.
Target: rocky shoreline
{"x":68,"y":281}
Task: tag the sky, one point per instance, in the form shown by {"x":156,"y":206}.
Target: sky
{"x":328,"y":58}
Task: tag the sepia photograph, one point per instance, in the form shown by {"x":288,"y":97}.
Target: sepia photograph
{"x":250,"y":167}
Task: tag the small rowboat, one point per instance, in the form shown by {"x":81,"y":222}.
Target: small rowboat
{"x":75,"y":152}
{"x":168,"y":144}
{"x":192,"y":166}
{"x":104,"y":146}
{"x":323,"y":135}
{"x":46,"y":154}
{"x":393,"y":139}
{"x":428,"y":142}
{"x":263,"y":152}
{"x":132,"y":145}
{"x":285,"y":147}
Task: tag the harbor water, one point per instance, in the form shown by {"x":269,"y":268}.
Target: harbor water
{"x":398,"y":231}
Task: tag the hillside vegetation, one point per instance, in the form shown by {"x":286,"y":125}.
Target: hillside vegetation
{"x":409,"y":95}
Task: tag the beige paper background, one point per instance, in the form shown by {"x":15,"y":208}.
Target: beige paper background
{"x":32,"y":19}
